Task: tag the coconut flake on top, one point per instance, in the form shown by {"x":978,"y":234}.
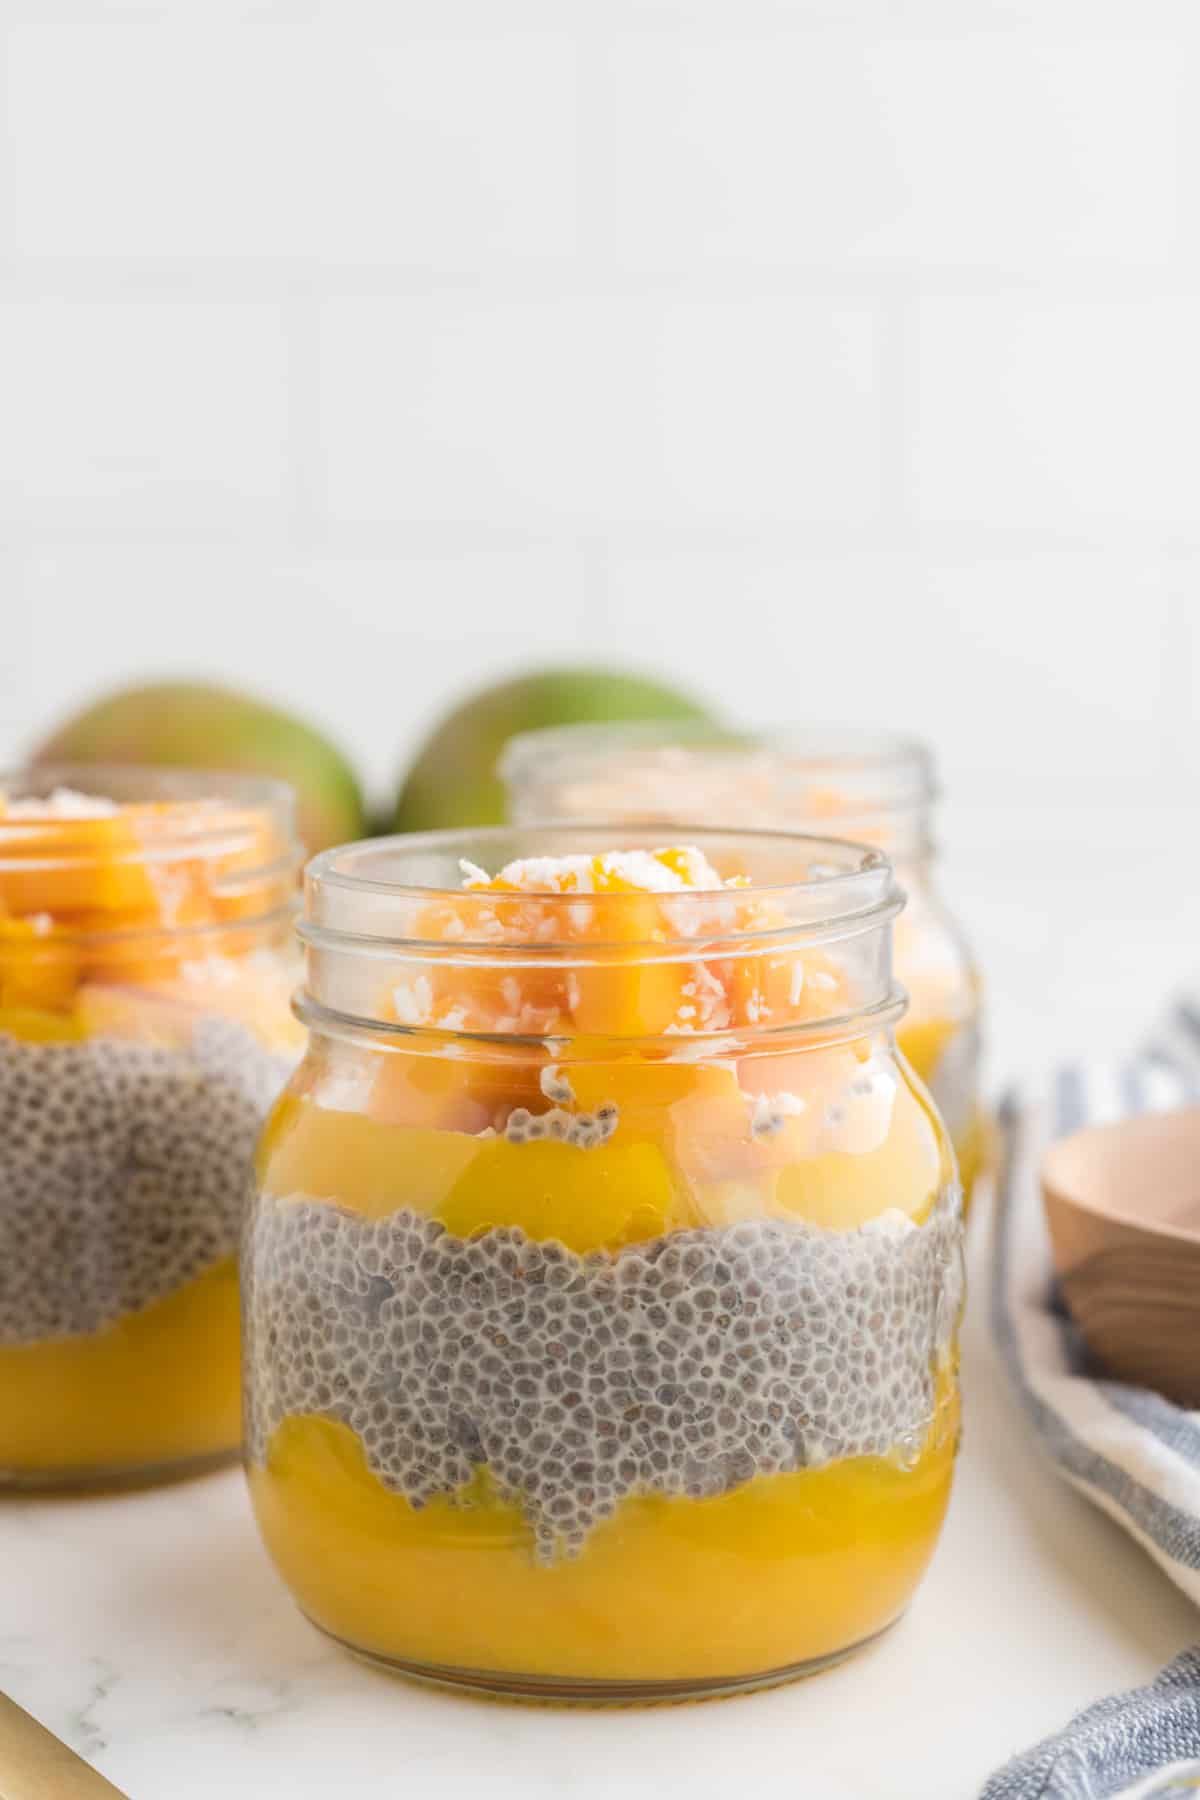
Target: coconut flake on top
{"x":705,"y":982}
{"x":665,"y":871}
{"x":62,"y":803}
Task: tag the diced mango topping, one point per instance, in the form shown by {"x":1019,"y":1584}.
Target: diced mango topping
{"x":715,"y":1123}
{"x":593,"y":1094}
{"x":612,"y":872}
{"x":627,"y":969}
{"x":91,"y":891}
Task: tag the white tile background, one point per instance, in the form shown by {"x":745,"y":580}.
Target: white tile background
{"x":840,"y":356}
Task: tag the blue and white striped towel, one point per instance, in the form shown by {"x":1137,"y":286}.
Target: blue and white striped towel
{"x":1129,"y":1450}
{"x":1136,"y":1746}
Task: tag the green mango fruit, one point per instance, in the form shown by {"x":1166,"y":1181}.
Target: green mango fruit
{"x":454,"y":781}
{"x":200,"y":725}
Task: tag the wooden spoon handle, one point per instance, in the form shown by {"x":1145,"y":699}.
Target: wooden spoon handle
{"x":35,"y":1765}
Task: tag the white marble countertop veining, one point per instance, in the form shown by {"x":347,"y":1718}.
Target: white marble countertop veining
{"x":150,"y":1631}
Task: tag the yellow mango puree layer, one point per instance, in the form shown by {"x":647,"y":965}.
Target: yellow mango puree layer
{"x":160,"y":1386}
{"x":784,"y":1570}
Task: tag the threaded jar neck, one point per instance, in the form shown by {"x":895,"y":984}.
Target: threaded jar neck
{"x":787,"y":933}
{"x":100,"y":854}
{"x":871,"y":787}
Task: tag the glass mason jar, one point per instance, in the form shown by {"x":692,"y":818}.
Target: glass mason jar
{"x":146,"y":964}
{"x":873,"y":788}
{"x":602,"y":1284}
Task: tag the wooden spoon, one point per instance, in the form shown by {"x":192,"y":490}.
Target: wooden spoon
{"x":1123,"y":1209}
{"x":35,"y":1765}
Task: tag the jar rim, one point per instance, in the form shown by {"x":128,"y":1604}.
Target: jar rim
{"x":895,"y":771}
{"x":210,"y":814}
{"x":843,"y":887}
{"x":239,"y":829}
{"x":878,"y":1014}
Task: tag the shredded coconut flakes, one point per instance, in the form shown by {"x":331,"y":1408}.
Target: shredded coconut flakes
{"x":643,"y":870}
{"x":62,"y":803}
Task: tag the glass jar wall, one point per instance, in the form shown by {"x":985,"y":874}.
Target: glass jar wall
{"x":603,"y":1278}
{"x":146,"y":963}
{"x":875,"y":789}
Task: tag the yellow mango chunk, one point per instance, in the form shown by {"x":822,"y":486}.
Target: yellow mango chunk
{"x":612,"y":1194}
{"x":38,"y":969}
{"x":35,"y":1025}
{"x":922,"y":1041}
{"x":587,"y":1199}
{"x":451,"y":1093}
{"x":75,"y":866}
{"x":905,"y":1173}
{"x":317,"y":1153}
{"x":95,"y":896}
{"x":646,"y":1089}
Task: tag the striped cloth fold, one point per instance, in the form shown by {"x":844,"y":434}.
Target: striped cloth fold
{"x":1133,"y":1453}
{"x":1136,"y":1746}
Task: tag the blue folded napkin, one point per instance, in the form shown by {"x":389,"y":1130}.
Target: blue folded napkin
{"x":1129,"y":1450}
{"x":1143,"y":1745}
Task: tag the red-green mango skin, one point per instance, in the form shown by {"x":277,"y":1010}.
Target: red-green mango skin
{"x":201,"y":725}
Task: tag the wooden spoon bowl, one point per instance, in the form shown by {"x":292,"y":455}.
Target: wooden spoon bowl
{"x":1123,"y":1209}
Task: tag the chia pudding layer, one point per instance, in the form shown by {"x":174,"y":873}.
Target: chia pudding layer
{"x":124,"y":1170}
{"x":684,"y":1365}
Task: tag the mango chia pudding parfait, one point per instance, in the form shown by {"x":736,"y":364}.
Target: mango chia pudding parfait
{"x":870,"y":787}
{"x":602,"y":1285}
{"x":146,"y":967}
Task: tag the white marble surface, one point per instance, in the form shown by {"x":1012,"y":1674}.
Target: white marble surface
{"x":151,"y":1633}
